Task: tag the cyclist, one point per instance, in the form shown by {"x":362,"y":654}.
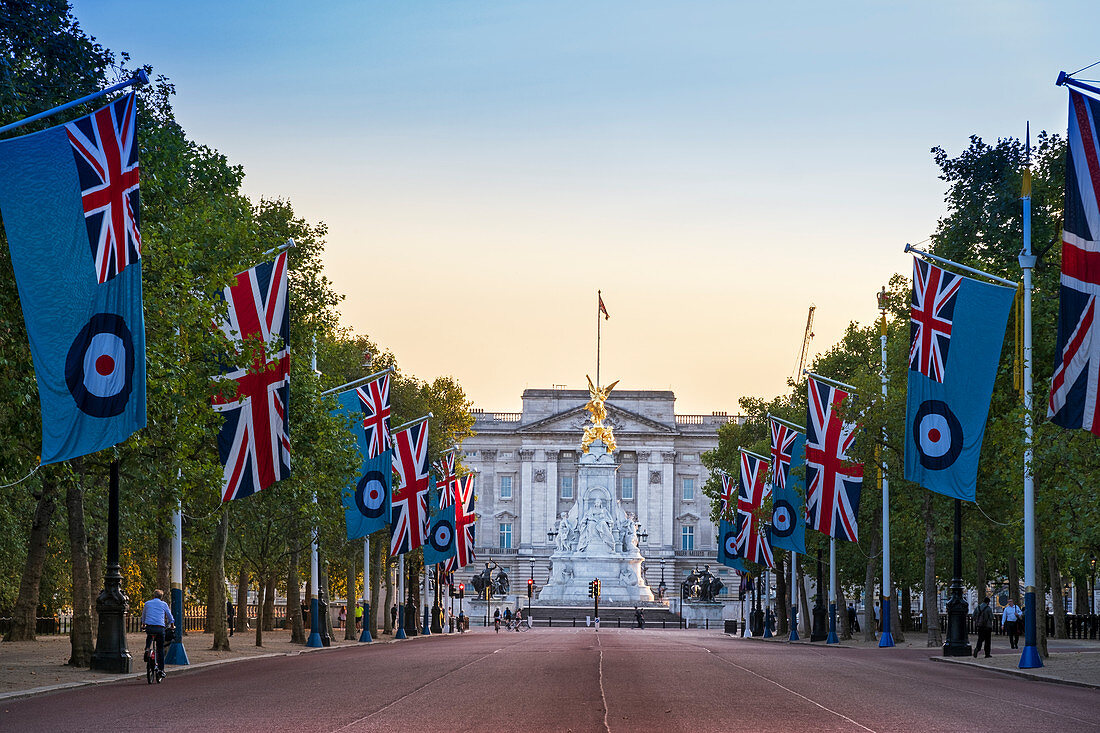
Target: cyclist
{"x":153,"y":615}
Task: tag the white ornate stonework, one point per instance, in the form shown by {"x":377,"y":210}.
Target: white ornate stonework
{"x":531,"y":472}
{"x":596,"y":538}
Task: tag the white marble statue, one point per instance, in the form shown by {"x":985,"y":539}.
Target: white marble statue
{"x":596,"y":530}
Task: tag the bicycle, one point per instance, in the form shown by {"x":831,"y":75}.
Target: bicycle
{"x":154,"y":669}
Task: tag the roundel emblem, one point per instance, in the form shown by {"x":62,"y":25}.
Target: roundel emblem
{"x":99,"y":368}
{"x":442,"y":536}
{"x":783,"y":518}
{"x":370,"y":494}
{"x":729,"y":544}
{"x":938,"y":435}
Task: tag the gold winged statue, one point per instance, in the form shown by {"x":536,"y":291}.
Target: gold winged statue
{"x":597,"y":430}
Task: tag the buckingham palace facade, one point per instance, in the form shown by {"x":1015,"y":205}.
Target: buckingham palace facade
{"x":527,"y":463}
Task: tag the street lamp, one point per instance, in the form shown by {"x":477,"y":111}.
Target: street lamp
{"x":661,"y":587}
{"x":1092,"y":597}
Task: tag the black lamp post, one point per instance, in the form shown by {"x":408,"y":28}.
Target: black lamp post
{"x":1092,"y":596}
{"x":111,"y":654}
{"x":437,"y":609}
{"x":818,"y":632}
{"x":957,"y":643}
{"x":662,"y":588}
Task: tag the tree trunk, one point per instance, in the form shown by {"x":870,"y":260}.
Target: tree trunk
{"x":931,"y":596}
{"x":1013,"y":580}
{"x":269,"y":603}
{"x":215,"y":586}
{"x":241,"y":610}
{"x":906,"y":609}
{"x":870,"y":628}
{"x":294,"y":601}
{"x":1056,"y":597}
{"x":895,"y":614}
{"x":387,"y":625}
{"x":80,"y":638}
{"x":805,"y":613}
{"x":97,"y":567}
{"x":354,"y":550}
{"x":981,"y":577}
{"x":842,"y":614}
{"x":261,"y":590}
{"x":377,"y":563}
{"x":1081,"y":586}
{"x":26,"y":604}
{"x":164,"y":558}
{"x":782,"y":628}
{"x":326,"y":614}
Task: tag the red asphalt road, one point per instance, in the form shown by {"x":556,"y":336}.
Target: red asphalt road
{"x":572,"y":680}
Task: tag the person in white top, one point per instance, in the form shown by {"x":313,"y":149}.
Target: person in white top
{"x":154,"y":614}
{"x":1012,"y":618}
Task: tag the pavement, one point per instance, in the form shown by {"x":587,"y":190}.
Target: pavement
{"x":569,"y":680}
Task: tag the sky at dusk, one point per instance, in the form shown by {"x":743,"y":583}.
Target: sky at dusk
{"x":713,"y":167}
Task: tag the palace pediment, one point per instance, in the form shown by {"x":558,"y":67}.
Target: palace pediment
{"x":574,"y":420}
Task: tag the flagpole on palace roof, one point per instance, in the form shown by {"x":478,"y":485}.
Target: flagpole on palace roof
{"x":138,"y":79}
{"x":1030,"y":658}
{"x":599,"y":304}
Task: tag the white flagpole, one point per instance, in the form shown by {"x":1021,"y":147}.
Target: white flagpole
{"x":1030,"y":658}
{"x":314,"y":639}
{"x":887,"y":639}
{"x":832,"y":638}
{"x":364,"y":634}
{"x":400,"y":634}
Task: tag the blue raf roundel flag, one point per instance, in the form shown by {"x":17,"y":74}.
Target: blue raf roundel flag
{"x":99,"y":369}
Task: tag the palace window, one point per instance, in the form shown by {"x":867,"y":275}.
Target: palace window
{"x":687,"y":538}
{"x":689,"y":489}
{"x":505,"y":487}
{"x":505,"y":535}
{"x":567,"y":487}
{"x":628,"y":488}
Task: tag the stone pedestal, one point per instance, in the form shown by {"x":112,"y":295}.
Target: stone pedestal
{"x":596,"y":539}
{"x":701,"y":614}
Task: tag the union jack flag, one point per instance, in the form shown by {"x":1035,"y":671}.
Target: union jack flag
{"x":374,"y":398}
{"x":752,"y":540}
{"x":833,"y":482}
{"x":1073,"y":390}
{"x":106,"y":154}
{"x":254,"y":442}
{"x":447,"y":485}
{"x":782,"y":448}
{"x":409,"y":518}
{"x":464,"y":525}
{"x":728,"y":498}
{"x":930,"y":318}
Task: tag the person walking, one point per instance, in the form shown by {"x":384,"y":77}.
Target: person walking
{"x":359,"y":616}
{"x":393,"y":616}
{"x":983,"y":621}
{"x":639,"y":618}
{"x":1011,"y":618}
{"x":342,"y":617}
{"x":878,"y":618}
{"x":853,"y":617}
{"x":230,"y":616}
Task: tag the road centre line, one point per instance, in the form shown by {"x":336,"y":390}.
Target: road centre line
{"x":603,"y":697}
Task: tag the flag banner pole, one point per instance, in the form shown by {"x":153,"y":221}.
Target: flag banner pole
{"x":411,"y":423}
{"x":788,"y":423}
{"x":176,"y":653}
{"x":833,"y":382}
{"x":1029,"y":657}
{"x":138,"y":79}
{"x":832,"y":637}
{"x":887,"y":638}
{"x":793,"y":590}
{"x":281,"y":248}
{"x":756,"y":455}
{"x":357,"y":382}
{"x":400,"y":633}
{"x":1063,"y":80}
{"x":944,"y":261}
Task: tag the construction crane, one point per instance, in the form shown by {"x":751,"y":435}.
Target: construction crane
{"x":807,"y":337}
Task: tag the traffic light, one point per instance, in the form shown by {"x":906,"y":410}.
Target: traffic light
{"x":461,"y":590}
{"x":530,"y":588}
{"x":596,"y":587}
{"x":591,"y":589}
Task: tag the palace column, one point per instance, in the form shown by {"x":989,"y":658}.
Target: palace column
{"x":668,"y":486}
{"x":550,"y":495}
{"x":641,"y":497}
{"x":526,"y":489}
